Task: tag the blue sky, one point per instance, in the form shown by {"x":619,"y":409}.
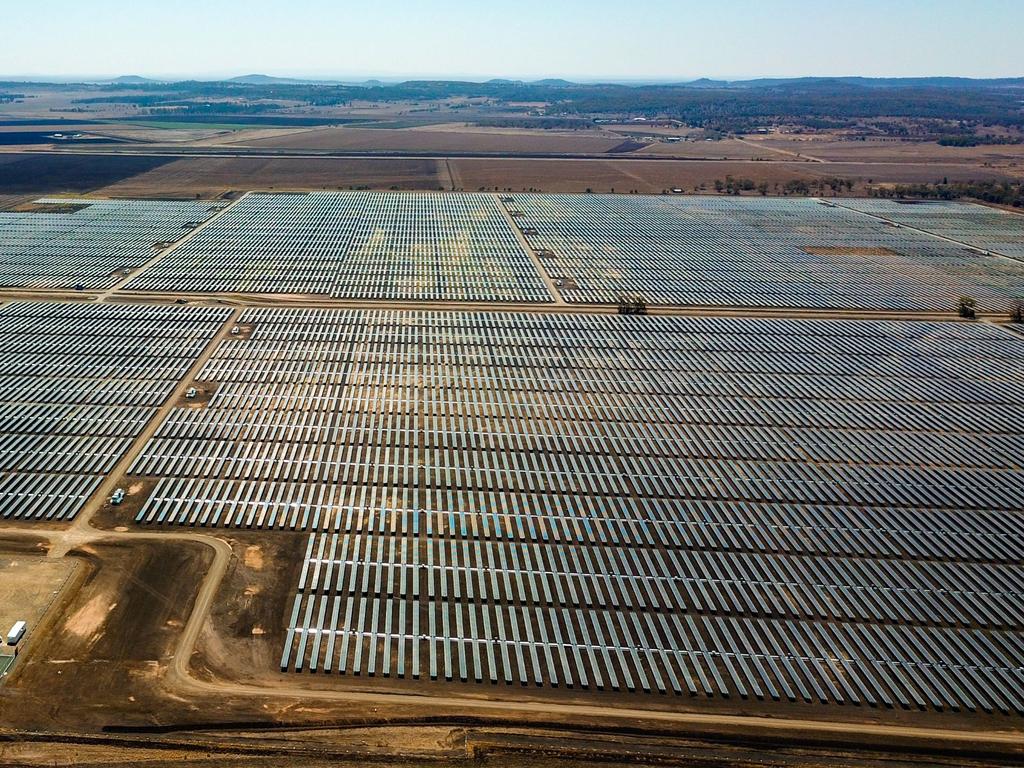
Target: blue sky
{"x":652,"y":39}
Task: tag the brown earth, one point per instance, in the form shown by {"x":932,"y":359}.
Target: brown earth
{"x":730,"y":149}
{"x":213,"y":176}
{"x":617,"y":175}
{"x":425,"y":744}
{"x":47,"y":174}
{"x":29,"y":583}
{"x":424,"y":140}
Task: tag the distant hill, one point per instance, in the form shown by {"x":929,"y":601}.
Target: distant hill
{"x":133,"y":80}
{"x":268,"y":80}
{"x":705,"y":82}
{"x":554,"y":83}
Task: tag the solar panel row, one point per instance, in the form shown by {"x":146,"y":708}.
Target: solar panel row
{"x":358,"y":245}
{"x":763,"y":252}
{"x":80,"y":382}
{"x":92,"y":246}
{"x":990,"y":229}
{"x":349,"y":626}
{"x":700,"y":505}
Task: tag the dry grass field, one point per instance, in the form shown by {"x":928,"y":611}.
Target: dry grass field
{"x":423,"y":140}
{"x":656,"y":176}
{"x":212,"y":177}
{"x":728,"y":149}
{"x":29,"y":582}
{"x":893,"y":151}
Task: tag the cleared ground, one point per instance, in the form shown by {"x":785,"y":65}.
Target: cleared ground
{"x":893,"y":151}
{"x":25,"y":174}
{"x":657,"y":176}
{"x":29,"y":584}
{"x":210,"y":177}
{"x":725,"y":149}
{"x":107,"y":653}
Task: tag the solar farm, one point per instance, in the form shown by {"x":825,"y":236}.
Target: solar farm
{"x":360,"y":245}
{"x":94,"y":246}
{"x":419,"y":429}
{"x":659,"y":505}
{"x":764,"y":252}
{"x":79,"y":383}
{"x":986,"y":228}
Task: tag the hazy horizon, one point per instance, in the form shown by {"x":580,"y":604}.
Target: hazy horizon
{"x":454,"y":77}
{"x":453,"y":39}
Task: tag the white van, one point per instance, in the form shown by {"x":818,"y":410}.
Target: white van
{"x":17,"y":632}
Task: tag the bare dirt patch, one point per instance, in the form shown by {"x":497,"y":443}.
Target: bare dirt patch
{"x":655,"y":176}
{"x":726,"y":149}
{"x":87,"y":620}
{"x":204,"y":392}
{"x":137,"y":491}
{"x":244,"y":639}
{"x":835,"y":149}
{"x":254,"y":557}
{"x":29,"y":584}
{"x":31,"y":207}
{"x":648,"y":176}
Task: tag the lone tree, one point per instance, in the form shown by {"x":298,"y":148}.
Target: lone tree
{"x":966,"y":307}
{"x":632,"y":305}
{"x":1017,"y":311}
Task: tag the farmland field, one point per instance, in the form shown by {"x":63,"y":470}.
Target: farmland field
{"x":425,"y":140}
{"x":212,"y":177}
{"x":51,"y":174}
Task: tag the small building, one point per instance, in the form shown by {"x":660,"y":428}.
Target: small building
{"x":118,"y":497}
{"x":191,"y":393}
